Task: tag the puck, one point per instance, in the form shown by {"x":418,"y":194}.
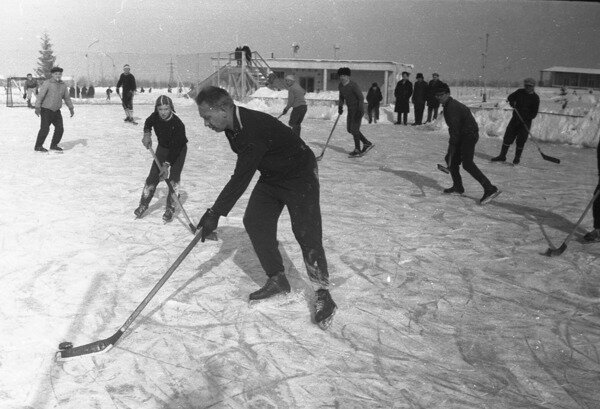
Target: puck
{"x":65,"y":345}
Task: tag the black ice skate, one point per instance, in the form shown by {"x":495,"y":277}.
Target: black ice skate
{"x":139,"y":212}
{"x":324,"y":309}
{"x":489,"y":195}
{"x":355,"y":154}
{"x":40,"y":149}
{"x":168,"y":215}
{"x":277,"y":284}
{"x":592,"y":237}
{"x":366,"y":148}
{"x":56,"y":149}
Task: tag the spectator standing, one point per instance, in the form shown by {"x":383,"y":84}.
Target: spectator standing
{"x":419,"y":98}
{"x":432,"y":103}
{"x":403,"y":92}
{"x":374,"y":98}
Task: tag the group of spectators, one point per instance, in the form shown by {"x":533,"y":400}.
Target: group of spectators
{"x":420,"y":94}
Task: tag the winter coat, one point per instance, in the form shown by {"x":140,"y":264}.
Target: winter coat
{"x":461,"y":123}
{"x":374,"y":96}
{"x":526,"y":104}
{"x":51,"y":95}
{"x":431,"y":99}
{"x":403,"y":92}
{"x":420,"y":90}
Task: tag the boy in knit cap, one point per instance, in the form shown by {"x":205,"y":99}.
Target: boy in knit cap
{"x":171,"y":151}
{"x":47,"y":105}
{"x":297,"y":102}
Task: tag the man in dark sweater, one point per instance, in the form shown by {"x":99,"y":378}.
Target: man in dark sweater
{"x":526,"y":104}
{"x":464,"y":134}
{"x":288,"y":177}
{"x":351,"y":94}
{"x":127,"y":81}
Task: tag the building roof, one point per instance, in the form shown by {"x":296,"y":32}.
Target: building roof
{"x":316,"y":63}
{"x":573,"y":70}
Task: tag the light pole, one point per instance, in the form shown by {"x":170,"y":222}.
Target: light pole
{"x":87,"y":57}
{"x":483,"y":58}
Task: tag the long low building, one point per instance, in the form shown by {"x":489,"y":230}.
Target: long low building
{"x":571,"y":77}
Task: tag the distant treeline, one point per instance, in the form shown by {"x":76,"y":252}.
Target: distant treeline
{"x":488,"y":83}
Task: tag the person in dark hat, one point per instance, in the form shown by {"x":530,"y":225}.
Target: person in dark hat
{"x":289,"y":178}
{"x":464,"y":134}
{"x":432,"y":103}
{"x":525,"y":103}
{"x":374,"y":98}
{"x":351,"y":94}
{"x":171,"y":152}
{"x":127,"y":82}
{"x":47,"y":106}
{"x":403,"y":92}
{"x":419,"y":97}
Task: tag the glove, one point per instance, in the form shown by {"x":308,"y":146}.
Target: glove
{"x":284,"y":111}
{"x":38,"y":111}
{"x":147,"y":140}
{"x":208,"y":223}
{"x":165,"y":171}
{"x":340,"y":110}
{"x":25,"y":96}
{"x":72,"y":111}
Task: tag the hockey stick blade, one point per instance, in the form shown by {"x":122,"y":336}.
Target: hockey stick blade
{"x":549,"y":158}
{"x":95,"y":347}
{"x":556,"y":252}
{"x":443,"y":168}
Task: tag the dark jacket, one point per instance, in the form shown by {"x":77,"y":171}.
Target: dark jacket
{"x":420,"y":91}
{"x":374,"y":96}
{"x":353,"y":96}
{"x":403,"y":92}
{"x":461,"y":123}
{"x":170,"y":134}
{"x":265,"y":144}
{"x":127,"y":81}
{"x":431,"y":99}
{"x":526,"y":104}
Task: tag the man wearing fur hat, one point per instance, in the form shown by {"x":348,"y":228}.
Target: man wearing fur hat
{"x":127,"y":81}
{"x":351,"y":94}
{"x":295,"y":101}
{"x":171,"y":151}
{"x":47,"y":105}
{"x":526,"y":104}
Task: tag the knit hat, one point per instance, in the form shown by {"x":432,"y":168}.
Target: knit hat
{"x":441,"y":88}
{"x":126,"y":66}
{"x":55,"y":69}
{"x":344,"y":71}
{"x":164,"y":100}
{"x":529,"y":81}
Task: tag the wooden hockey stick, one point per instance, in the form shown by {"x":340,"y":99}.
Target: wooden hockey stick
{"x":327,"y":143}
{"x":546,"y":157}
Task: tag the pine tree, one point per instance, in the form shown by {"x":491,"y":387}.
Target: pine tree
{"x":46,"y":59}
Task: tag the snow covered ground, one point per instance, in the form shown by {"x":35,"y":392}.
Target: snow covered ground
{"x":442,"y":303}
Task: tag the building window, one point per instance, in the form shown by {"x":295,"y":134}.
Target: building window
{"x":334,"y":76}
{"x":308,"y":83}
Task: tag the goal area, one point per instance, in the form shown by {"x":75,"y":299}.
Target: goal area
{"x":15,"y":89}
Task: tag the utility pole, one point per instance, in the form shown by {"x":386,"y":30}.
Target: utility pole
{"x":171,"y":70}
{"x":483,"y":58}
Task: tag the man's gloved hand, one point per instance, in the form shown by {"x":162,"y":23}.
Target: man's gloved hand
{"x":147,"y":140}
{"x":340,"y":110}
{"x":209,"y":223}
{"x":165,"y":171}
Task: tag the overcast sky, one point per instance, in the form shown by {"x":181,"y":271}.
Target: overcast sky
{"x":435,"y":35}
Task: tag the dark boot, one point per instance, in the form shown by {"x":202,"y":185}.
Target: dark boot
{"x":275,"y":285}
{"x":517,"y":158}
{"x":502,"y":156}
{"x":147,"y":195}
{"x":324,"y":308}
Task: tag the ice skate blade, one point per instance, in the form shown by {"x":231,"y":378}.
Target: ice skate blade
{"x":490,"y":198}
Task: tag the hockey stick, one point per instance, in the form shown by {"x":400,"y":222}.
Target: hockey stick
{"x":557,"y":252}
{"x":106,"y":344}
{"x":173,"y":193}
{"x":327,"y":143}
{"x":546,"y":157}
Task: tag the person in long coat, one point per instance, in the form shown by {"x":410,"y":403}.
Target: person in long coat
{"x":419,"y":97}
{"x":403,"y":92}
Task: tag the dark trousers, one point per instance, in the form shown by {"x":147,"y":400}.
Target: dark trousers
{"x":296,"y":118}
{"x":419,"y":108}
{"x":127,"y":100}
{"x":301,"y":196}
{"x":49,"y":117}
{"x":154,"y":176}
{"x":353,"y":122}
{"x":373,"y":111}
{"x":516,"y":130}
{"x":402,"y":118}
{"x":596,"y":211}
{"x":464,"y":154}
{"x":432,"y":110}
